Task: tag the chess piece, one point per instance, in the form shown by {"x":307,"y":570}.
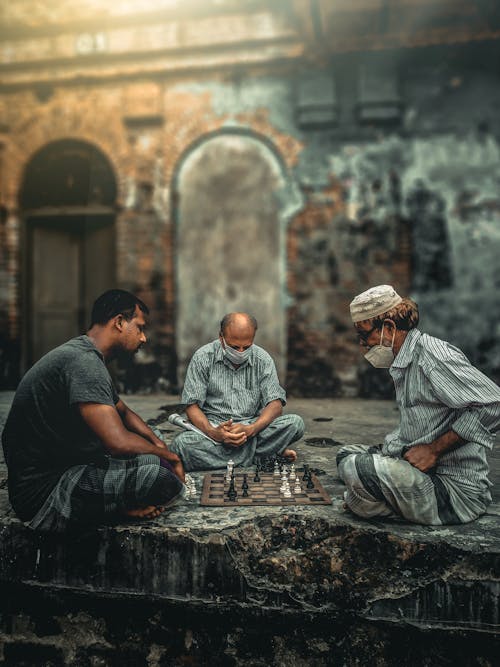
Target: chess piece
{"x":244,"y":486}
{"x":306,"y":472}
{"x":284,"y":481}
{"x":232,"y":493}
{"x":229,"y":469}
{"x":292,"y":472}
{"x":276,"y":469}
{"x":257,"y":476}
{"x":297,"y":488}
{"x":310,"y":483}
{"x":287,"y":493}
{"x":190,"y":484}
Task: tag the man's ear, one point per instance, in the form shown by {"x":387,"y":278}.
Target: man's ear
{"x":118,"y":321}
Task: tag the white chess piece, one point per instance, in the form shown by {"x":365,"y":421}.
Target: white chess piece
{"x":287,"y":493}
{"x":292,"y":472}
{"x":276,"y":472}
{"x":284,"y":481}
{"x":297,"y":488}
{"x":190,"y":487}
{"x":229,"y":470}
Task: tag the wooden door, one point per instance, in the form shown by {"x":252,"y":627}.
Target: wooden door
{"x":55,"y":293}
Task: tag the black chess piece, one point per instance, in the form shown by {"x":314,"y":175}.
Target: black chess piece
{"x":257,"y":475}
{"x":305,"y":476}
{"x":310,"y":483}
{"x":244,"y":486}
{"x":232,"y":493}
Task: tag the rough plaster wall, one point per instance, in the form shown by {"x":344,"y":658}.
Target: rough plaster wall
{"x":414,"y":208}
{"x":448,"y":198}
{"x":229,"y":243}
{"x":372,"y":201}
{"x":464,"y":172}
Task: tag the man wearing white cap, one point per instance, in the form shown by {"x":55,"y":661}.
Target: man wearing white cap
{"x":432,"y":468}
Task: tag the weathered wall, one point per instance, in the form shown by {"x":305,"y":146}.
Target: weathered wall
{"x":391,"y":164}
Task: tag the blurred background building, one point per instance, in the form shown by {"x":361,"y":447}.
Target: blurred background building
{"x":271,"y":156}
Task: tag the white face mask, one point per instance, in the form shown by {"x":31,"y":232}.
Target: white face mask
{"x":379,"y":355}
{"x":235,"y":357}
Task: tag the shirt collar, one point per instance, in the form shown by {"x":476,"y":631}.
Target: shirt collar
{"x":405,"y":354}
{"x":220,"y":358}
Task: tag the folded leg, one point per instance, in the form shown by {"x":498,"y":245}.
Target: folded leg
{"x":379,"y":485}
{"x":97,"y":493}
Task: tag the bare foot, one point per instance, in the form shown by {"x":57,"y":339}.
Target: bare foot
{"x":149,"y":512}
{"x":290,"y":455}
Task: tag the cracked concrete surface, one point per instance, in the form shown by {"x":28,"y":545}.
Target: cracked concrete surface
{"x":298,"y":562}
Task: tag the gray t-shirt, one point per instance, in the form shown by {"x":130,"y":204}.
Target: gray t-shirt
{"x":45,"y":434}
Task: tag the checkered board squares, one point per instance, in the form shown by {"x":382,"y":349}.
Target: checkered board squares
{"x":265,"y":492}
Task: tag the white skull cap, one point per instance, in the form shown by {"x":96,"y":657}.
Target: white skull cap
{"x":375,"y":301}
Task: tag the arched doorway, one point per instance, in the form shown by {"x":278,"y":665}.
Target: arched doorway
{"x":67,"y":202}
{"x":232,"y":204}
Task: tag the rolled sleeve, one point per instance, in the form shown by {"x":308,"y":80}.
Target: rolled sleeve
{"x":270,"y":388}
{"x":475,"y":398}
{"x":471,"y":427}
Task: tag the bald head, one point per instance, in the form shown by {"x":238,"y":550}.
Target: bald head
{"x":238,"y":324}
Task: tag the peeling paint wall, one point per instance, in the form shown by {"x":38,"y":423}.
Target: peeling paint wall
{"x":389,"y":166}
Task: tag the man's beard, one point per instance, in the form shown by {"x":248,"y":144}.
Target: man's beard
{"x":125,"y":356}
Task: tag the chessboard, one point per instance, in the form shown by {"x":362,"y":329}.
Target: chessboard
{"x":264,"y":492}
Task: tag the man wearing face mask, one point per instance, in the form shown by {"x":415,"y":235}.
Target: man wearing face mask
{"x":234,"y":397}
{"x":432,"y":468}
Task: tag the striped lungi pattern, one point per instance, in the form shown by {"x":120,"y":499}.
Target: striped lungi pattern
{"x":383,"y":486}
{"x":101,"y":493}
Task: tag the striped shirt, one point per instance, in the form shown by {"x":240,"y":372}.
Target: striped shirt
{"x":225,"y":392}
{"x":438,"y":390}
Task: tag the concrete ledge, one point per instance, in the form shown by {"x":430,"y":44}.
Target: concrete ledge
{"x":318,"y":567}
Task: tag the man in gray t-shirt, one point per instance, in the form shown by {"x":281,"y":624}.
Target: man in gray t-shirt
{"x":74,"y":451}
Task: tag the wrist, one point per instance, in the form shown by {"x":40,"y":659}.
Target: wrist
{"x":253,"y":430}
{"x":213,"y":433}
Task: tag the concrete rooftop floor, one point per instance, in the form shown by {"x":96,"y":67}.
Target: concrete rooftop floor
{"x":330,"y":423}
{"x":342,"y":421}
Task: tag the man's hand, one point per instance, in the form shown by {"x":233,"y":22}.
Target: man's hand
{"x":422,"y":457}
{"x":228,"y":434}
{"x":174,"y":461}
{"x":425,"y":456}
{"x":248,"y":429}
{"x":224,"y":433}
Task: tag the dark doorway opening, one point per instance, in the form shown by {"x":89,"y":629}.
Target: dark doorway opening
{"x":68,"y":206}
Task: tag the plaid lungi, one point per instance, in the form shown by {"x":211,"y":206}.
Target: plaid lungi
{"x":384,"y":486}
{"x":101,"y":492}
